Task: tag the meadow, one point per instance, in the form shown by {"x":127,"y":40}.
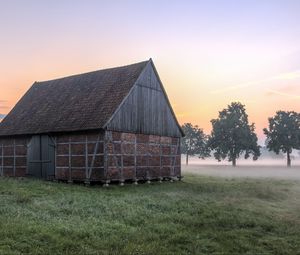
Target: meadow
{"x":199,"y":215}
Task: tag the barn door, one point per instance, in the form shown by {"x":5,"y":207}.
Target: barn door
{"x":41,"y":157}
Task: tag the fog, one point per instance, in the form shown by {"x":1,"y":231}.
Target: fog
{"x":242,"y":162}
{"x":262,"y":168}
{"x":267,"y":158}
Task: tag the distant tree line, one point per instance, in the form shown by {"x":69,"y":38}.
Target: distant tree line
{"x":233,"y":136}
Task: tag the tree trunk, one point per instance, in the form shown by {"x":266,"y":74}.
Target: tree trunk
{"x":187,"y":159}
{"x":234,"y":162}
{"x":288,"y":159}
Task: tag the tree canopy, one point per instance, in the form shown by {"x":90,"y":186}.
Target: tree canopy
{"x":283,"y":133}
{"x":232,"y":135}
{"x":194,"y":142}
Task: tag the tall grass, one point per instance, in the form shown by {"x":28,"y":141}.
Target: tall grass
{"x":200,"y":215}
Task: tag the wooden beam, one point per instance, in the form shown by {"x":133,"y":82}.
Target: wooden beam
{"x":55,"y":148}
{"x":113,"y":151}
{"x":135,"y":160}
{"x":143,"y":86}
{"x":2,"y":161}
{"x":105,"y":156}
{"x":70,"y":161}
{"x":160,"y":163}
{"x":86,"y":159}
{"x":122,"y":164}
{"x":174,"y":162}
{"x":94,"y":157}
{"x":14,"y":169}
{"x":147,"y":157}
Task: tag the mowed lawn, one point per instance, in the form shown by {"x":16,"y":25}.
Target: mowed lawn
{"x":200,"y":215}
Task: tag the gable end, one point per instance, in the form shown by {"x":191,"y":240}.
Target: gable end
{"x":146,"y":109}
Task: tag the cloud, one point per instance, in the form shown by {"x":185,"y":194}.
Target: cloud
{"x":236,"y":87}
{"x":290,"y":88}
{"x":283,"y":76}
{"x":185,"y":114}
{"x":2,"y":105}
{"x":244,"y":101}
{"x":271,"y":92}
{"x":288,"y":76}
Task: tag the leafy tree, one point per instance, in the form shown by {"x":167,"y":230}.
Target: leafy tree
{"x":283,"y":133}
{"x":194,"y":142}
{"x":232,"y":135}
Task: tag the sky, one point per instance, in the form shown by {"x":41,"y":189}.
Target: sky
{"x":208,"y":53}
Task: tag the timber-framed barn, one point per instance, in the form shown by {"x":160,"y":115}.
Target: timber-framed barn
{"x":109,"y":125}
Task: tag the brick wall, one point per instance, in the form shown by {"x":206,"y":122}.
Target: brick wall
{"x":118,"y":156}
{"x":13,"y":157}
{"x":75,"y":154}
{"x":139,"y":156}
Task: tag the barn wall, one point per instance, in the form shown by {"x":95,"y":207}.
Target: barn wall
{"x":78,"y":157}
{"x":146,"y":109}
{"x":13,"y":157}
{"x":119,"y":156}
{"x":139,"y":156}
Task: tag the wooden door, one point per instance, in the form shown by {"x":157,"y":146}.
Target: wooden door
{"x":41,"y":157}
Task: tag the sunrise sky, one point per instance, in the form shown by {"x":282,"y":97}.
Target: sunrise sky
{"x":208,"y":53}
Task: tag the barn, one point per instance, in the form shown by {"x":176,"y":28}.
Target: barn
{"x":111,"y":125}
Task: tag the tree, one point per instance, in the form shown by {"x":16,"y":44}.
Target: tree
{"x":232,"y":135}
{"x":283,"y":133}
{"x":194,"y":142}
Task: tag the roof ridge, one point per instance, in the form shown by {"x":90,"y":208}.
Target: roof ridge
{"x":91,"y":72}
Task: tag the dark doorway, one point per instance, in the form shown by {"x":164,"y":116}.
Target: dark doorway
{"x":41,"y":157}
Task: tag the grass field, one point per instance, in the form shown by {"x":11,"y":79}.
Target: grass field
{"x":201,"y":215}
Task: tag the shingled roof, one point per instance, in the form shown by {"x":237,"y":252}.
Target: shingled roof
{"x":79,"y":102}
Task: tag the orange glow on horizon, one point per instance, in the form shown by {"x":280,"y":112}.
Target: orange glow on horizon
{"x":191,"y":103}
{"x":205,"y":61}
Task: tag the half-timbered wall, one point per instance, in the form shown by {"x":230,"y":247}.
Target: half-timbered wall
{"x":143,"y":157}
{"x":13,"y":158}
{"x":100,"y":156}
{"x":80,"y":157}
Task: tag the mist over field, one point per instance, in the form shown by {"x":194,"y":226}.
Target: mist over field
{"x":270,"y":167}
{"x":242,"y":162}
{"x":267,"y":158}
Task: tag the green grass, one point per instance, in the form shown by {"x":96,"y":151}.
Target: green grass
{"x":200,"y":215}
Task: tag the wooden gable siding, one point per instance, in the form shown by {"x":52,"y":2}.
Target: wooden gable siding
{"x":146,"y":109}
